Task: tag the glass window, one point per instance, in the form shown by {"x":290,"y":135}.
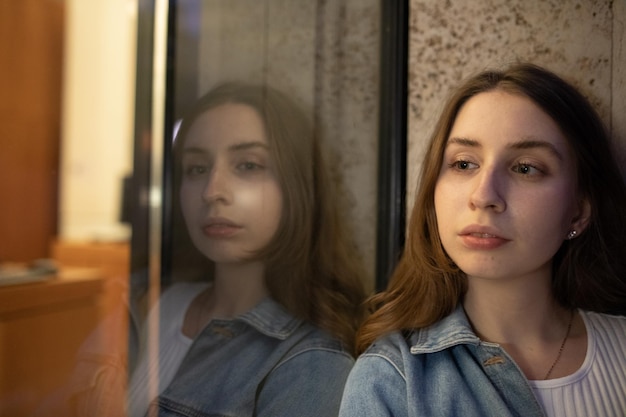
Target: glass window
{"x":190,"y":186}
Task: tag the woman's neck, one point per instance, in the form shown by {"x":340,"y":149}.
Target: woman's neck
{"x":504,"y":311}
{"x":544,"y":338}
{"x":237,"y":288}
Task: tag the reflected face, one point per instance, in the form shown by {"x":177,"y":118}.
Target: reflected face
{"x":230,"y":197}
{"x":506,"y":194}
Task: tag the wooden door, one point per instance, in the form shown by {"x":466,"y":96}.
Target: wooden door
{"x":31,"y":59}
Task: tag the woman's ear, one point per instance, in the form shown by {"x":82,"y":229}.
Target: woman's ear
{"x":582,"y":217}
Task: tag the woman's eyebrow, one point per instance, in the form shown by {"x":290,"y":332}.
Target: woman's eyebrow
{"x":232,"y":148}
{"x":531,"y":143}
{"x":524,"y":143}
{"x":194,"y":150}
{"x":248,"y":145}
{"x":463,"y":142}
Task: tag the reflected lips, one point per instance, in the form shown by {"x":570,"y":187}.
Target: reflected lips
{"x":220,"y":228}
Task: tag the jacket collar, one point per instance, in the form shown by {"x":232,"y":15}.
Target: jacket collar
{"x":452,"y":330}
{"x":271,"y":319}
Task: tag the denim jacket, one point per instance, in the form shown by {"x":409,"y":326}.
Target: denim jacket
{"x":442,"y":370}
{"x":263,"y":363}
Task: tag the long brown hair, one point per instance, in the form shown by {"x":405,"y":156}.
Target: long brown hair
{"x":588,"y":272}
{"x":311,"y":264}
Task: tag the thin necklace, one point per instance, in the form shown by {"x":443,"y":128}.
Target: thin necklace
{"x":558,"y":356}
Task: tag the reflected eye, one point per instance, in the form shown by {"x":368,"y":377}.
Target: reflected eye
{"x":248,"y":166}
{"x":194,"y":170}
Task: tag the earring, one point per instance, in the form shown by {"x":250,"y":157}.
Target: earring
{"x":572,"y":234}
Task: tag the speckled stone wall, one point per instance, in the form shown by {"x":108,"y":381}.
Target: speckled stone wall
{"x":325,"y":53}
{"x":582,"y":40}
{"x":347,"y":78}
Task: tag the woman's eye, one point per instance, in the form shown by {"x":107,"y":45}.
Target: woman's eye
{"x":195,"y":170}
{"x":526,"y":169}
{"x":249,"y":166}
{"x":463,"y":165}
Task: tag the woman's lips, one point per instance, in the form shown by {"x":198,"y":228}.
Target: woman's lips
{"x":220,"y":228}
{"x":481,"y":239}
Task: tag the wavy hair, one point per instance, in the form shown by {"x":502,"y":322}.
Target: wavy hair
{"x":312,"y":268}
{"x":588,"y":272}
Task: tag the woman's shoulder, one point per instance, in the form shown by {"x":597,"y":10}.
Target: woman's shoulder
{"x":604,"y":319}
{"x":309,"y":339}
{"x":452,"y":330}
{"x":314,"y":355}
{"x":175,"y":298}
{"x":391,"y":344}
{"x":181,"y":291}
{"x":270,"y":319}
{"x":606,"y":325}
{"x":391,"y":349}
{"x":379,"y":371}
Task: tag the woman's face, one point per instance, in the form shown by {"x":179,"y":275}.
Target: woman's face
{"x":230,"y":197}
{"x":506,"y":195}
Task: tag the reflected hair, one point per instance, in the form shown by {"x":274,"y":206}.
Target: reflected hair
{"x":312,"y":268}
{"x":588,"y":272}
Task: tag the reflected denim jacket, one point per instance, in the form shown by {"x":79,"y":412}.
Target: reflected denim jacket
{"x":442,"y":370}
{"x":263,"y":363}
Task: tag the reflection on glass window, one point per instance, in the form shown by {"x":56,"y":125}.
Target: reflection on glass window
{"x":267,"y":325}
{"x":268,"y":205}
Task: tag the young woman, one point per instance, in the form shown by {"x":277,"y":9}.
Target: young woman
{"x":504,"y":300}
{"x":269,"y":330}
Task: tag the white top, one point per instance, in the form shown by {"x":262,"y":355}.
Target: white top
{"x":173,"y":345}
{"x":598,"y":388}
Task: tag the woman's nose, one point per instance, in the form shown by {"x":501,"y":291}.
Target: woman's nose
{"x":217,"y":186}
{"x":488,"y":190}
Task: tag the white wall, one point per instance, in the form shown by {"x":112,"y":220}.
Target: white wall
{"x":97,"y":117}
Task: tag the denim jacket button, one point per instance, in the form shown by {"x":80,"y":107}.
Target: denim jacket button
{"x":495,"y":360}
{"x":223,"y":331}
